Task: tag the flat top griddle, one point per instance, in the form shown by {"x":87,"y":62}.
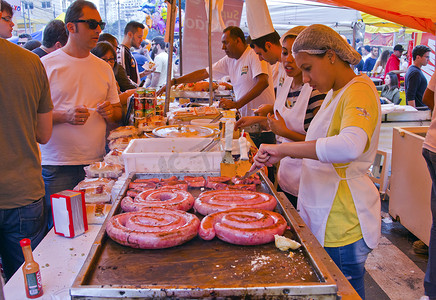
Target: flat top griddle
{"x":201,"y":268}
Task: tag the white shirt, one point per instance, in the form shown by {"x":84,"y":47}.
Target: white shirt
{"x":161,"y":61}
{"x":243,"y":72}
{"x":430,"y":138}
{"x":78,"y":81}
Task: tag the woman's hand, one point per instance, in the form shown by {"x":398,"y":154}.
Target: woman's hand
{"x":277,"y":124}
{"x":267,"y":155}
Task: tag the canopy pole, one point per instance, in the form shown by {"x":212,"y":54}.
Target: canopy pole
{"x":180,"y":39}
{"x":209,"y":42}
{"x":170,"y":54}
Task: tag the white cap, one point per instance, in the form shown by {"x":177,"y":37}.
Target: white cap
{"x":258,"y":18}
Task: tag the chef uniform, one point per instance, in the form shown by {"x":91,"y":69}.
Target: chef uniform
{"x":320,"y":181}
{"x":290,"y":168}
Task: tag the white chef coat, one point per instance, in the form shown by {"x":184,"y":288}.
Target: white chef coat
{"x":243,"y":72}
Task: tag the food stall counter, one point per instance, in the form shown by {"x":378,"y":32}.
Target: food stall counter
{"x":60,"y":260}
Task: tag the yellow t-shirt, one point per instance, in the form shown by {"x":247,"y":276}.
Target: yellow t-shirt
{"x":357,"y":107}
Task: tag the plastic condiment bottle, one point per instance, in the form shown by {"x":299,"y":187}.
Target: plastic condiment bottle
{"x":32,"y":275}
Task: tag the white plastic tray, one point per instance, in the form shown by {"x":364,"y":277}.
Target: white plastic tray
{"x":170,"y":155}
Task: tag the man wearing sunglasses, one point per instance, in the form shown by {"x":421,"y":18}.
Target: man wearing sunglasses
{"x":84,"y":93}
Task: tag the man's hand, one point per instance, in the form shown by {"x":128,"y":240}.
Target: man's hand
{"x":105,"y":109}
{"x":228,"y":104}
{"x":250,"y":120}
{"x":264,"y":110}
{"x":77,"y":115}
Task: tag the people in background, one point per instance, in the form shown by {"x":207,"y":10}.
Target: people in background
{"x":133,"y":33}
{"x":336,"y":199}
{"x":85,"y":98}
{"x":124,"y":83}
{"x":23,"y":38}
{"x":380,"y":64}
{"x":26,"y":120}
{"x":393,"y":64}
{"x":429,"y":153}
{"x":6,"y":24}
{"x":159,"y":75}
{"x":54,"y":37}
{"x":106,"y":52}
{"x":390,"y":92}
{"x":32,"y":45}
{"x":368,"y":66}
{"x":142,"y":56}
{"x":251,"y":78}
{"x":415,"y":82}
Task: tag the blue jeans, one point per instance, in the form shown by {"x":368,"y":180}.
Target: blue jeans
{"x":430,"y":274}
{"x":57,"y":179}
{"x":351,"y":261}
{"x":16,"y":224}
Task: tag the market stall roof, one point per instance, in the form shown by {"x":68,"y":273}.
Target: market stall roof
{"x":375,"y":24}
{"x":419,"y":15}
{"x":288,"y":13}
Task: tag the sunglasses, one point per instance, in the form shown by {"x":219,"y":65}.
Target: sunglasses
{"x":112,"y":59}
{"x":7,"y":19}
{"x":92,"y":23}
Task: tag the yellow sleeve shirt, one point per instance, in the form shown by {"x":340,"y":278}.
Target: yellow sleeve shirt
{"x":357,"y":107}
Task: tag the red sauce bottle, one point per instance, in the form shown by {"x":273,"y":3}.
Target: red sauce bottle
{"x":32,"y":275}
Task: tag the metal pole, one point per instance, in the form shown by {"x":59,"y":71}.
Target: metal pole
{"x":209,"y":43}
{"x":24,"y":16}
{"x":180,"y":39}
{"x":119,"y":22}
{"x":28,"y":18}
{"x":170,"y":54}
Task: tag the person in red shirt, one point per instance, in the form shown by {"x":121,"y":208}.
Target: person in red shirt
{"x":393,"y":64}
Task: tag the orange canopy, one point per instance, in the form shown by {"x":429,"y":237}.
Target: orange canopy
{"x":420,"y":15}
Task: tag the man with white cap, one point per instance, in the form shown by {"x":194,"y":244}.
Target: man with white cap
{"x":251,"y":78}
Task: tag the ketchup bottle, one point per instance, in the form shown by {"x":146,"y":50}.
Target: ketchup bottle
{"x":32,"y":275}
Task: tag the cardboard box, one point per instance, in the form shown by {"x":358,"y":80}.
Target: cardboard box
{"x":69,"y":213}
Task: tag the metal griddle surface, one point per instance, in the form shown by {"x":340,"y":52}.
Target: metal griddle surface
{"x":202,"y":265}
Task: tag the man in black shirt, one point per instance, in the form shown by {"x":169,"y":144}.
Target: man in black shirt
{"x":133,"y":33}
{"x":415,"y":81}
{"x":54,"y":37}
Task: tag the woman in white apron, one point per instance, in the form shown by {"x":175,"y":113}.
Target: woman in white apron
{"x":295,"y":105}
{"x":336,"y":199}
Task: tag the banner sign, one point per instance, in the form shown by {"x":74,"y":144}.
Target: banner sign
{"x":195,"y":33}
{"x":379,"y":39}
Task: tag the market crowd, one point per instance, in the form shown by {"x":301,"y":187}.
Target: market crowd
{"x":304,"y":96}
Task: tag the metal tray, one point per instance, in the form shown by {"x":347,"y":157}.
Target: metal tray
{"x":206,"y":269}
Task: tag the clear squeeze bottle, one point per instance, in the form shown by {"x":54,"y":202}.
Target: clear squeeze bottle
{"x":32,"y":275}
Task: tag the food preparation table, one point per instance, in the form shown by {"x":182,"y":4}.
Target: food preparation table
{"x":61,"y":259}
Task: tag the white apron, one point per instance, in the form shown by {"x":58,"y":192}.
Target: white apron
{"x":288,"y":175}
{"x":319,"y":181}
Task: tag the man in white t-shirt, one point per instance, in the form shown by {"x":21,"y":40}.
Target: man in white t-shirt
{"x":85,"y":98}
{"x":159,"y":76}
{"x":429,"y":153}
{"x":251,"y":78}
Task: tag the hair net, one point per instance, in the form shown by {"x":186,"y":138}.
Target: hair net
{"x":317,"y":39}
{"x":293,"y":32}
